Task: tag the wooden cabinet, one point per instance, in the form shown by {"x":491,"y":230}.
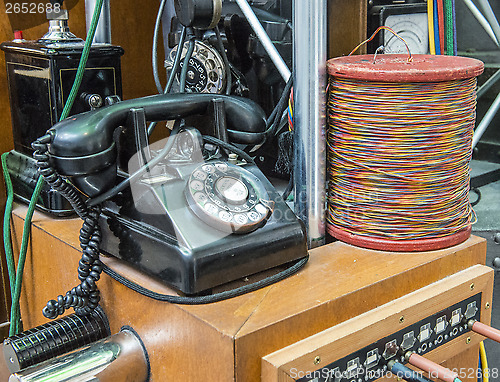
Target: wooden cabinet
{"x":347,"y":26}
{"x":226,"y":341}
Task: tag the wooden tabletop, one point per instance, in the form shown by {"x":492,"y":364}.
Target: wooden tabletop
{"x":339,"y":282}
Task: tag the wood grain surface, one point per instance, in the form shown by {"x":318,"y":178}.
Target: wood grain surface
{"x":347,"y":26}
{"x":225,"y":341}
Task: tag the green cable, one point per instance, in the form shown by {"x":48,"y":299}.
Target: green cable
{"x":83,"y":60}
{"x":448,"y":25}
{"x":11,"y":266}
{"x":15,"y":309}
{"x":15,"y":312}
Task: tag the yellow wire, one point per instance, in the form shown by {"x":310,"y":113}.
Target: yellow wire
{"x":430,"y":21}
{"x":484,"y":362}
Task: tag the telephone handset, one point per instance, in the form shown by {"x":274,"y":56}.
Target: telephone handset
{"x":83,"y":146}
{"x":194,"y":223}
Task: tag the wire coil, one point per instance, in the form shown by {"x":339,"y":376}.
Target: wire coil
{"x":399,"y":158}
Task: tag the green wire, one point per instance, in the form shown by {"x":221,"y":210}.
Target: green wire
{"x":83,"y":60}
{"x":448,"y":25}
{"x":11,"y":266}
{"x":16,"y":279}
{"x":15,"y":309}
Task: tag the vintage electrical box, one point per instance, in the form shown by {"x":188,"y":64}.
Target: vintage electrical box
{"x":40,"y":76}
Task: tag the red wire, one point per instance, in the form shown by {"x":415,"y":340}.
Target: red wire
{"x":486,"y":331}
{"x":434,"y":370}
{"x":440,"y":7}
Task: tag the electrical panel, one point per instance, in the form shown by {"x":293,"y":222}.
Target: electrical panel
{"x":431,"y":322}
{"x":370,"y":362}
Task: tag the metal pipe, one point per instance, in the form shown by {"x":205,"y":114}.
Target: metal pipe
{"x":490,"y":16}
{"x":103,"y":31}
{"x":485,"y":330}
{"x":482,"y":20}
{"x":310,"y":33}
{"x":117,"y":358}
{"x":264,"y":39}
{"x":54,"y":338}
{"x":488,"y":84}
{"x":485,"y":122}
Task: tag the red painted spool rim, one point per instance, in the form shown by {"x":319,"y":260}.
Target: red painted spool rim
{"x":418,"y":245}
{"x":396,"y":68}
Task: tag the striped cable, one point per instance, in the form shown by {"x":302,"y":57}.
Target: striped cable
{"x":399,"y":158}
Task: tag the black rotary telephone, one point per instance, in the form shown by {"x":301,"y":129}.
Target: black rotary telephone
{"x":191,"y":213}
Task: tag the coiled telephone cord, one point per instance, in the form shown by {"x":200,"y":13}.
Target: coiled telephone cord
{"x":85,"y":297}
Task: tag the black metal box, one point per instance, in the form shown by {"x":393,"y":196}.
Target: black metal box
{"x":41,"y":75}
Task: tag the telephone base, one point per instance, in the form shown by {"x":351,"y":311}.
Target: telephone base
{"x":192,"y":257}
{"x":196,"y":271}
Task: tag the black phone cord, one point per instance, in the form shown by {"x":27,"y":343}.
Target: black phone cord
{"x":201,"y":300}
{"x":228,"y":146}
{"x":85,"y":297}
{"x":53,"y":179}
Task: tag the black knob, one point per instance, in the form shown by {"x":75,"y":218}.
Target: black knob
{"x":496,"y":262}
{"x":93,"y":100}
{"x":496,"y":238}
{"x":199,"y":14}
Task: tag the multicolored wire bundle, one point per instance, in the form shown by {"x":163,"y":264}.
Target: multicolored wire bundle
{"x":290,"y":111}
{"x":442,"y":27}
{"x":410,"y":57}
{"x":399,"y":158}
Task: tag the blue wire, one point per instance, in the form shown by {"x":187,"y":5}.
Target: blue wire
{"x":436,"y":29}
{"x":404,"y":372}
{"x":480,"y":375}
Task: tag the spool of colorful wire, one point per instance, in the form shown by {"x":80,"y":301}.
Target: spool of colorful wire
{"x":399,"y":147}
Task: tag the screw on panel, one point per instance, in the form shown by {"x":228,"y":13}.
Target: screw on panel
{"x":468,"y":340}
{"x":487,"y":305}
{"x":317,"y":360}
{"x":472,"y":286}
{"x":401,"y":319}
